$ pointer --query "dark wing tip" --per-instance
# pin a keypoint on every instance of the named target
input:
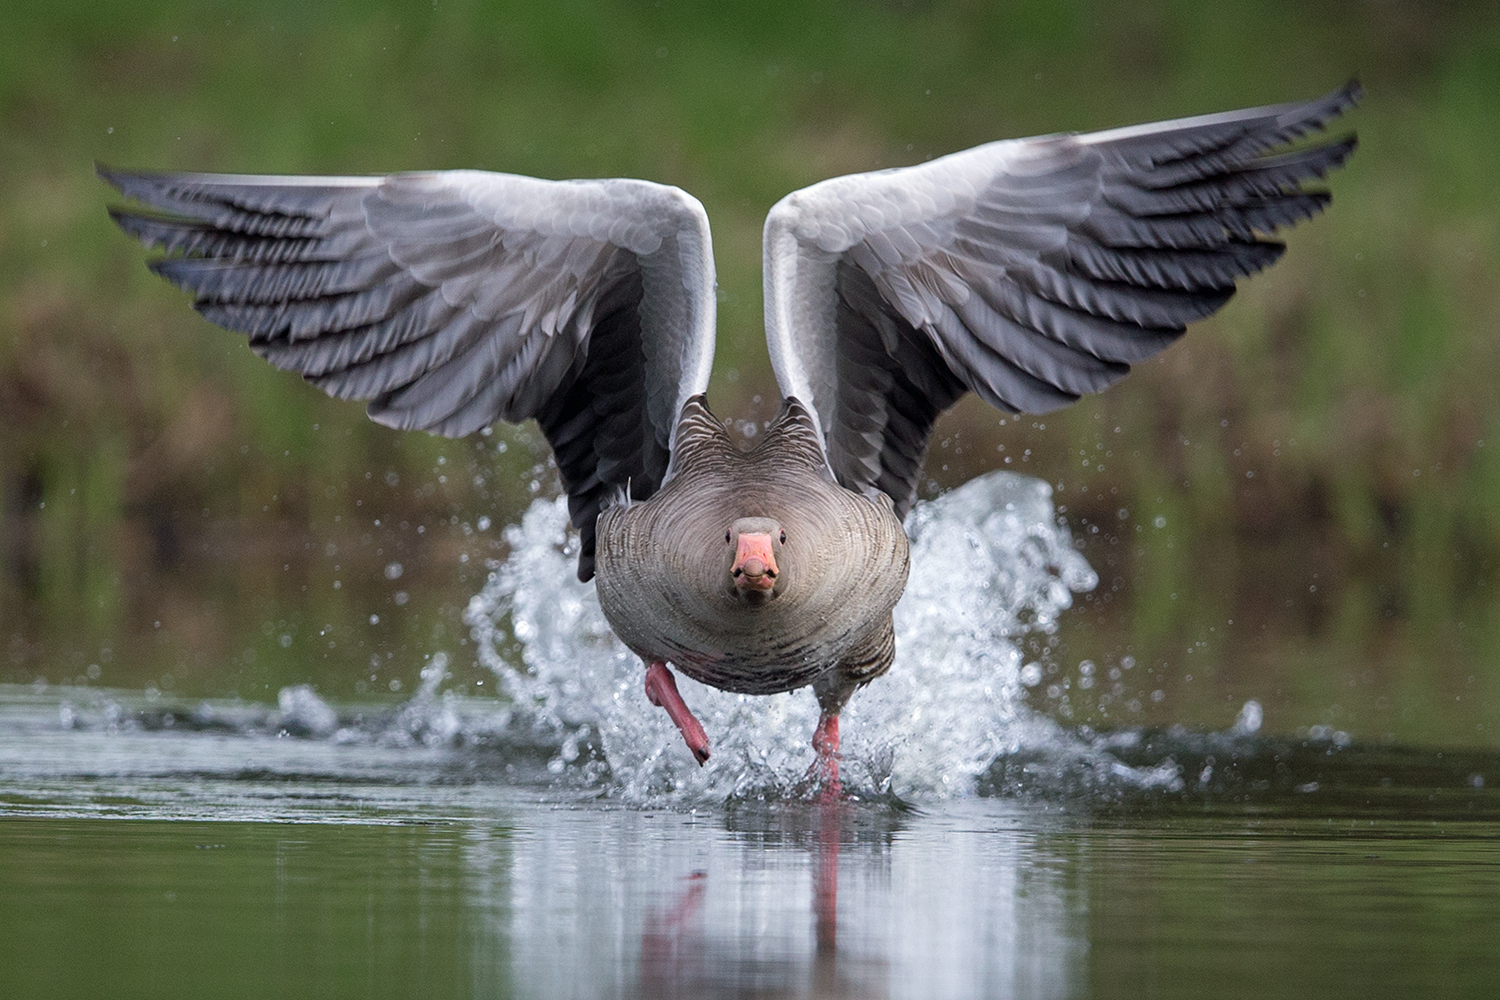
(123, 180)
(1341, 100)
(1319, 112)
(135, 184)
(1351, 92)
(124, 218)
(1339, 152)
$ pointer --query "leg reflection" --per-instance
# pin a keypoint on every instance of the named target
(826, 896)
(671, 944)
(687, 949)
(826, 889)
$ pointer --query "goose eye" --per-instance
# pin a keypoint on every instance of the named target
(726, 536)
(783, 538)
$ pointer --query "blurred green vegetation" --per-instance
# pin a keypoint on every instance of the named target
(1316, 465)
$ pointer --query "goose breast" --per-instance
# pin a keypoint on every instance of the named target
(663, 565)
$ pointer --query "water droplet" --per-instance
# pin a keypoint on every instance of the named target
(989, 564)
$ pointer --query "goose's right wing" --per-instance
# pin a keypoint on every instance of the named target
(454, 299)
(1030, 271)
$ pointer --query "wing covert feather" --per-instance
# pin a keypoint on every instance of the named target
(457, 298)
(1030, 271)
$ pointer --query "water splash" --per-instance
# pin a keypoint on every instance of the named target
(990, 563)
(304, 713)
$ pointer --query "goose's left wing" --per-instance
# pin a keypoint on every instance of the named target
(1030, 271)
(457, 298)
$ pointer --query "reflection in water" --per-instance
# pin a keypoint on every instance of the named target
(679, 957)
(827, 891)
(671, 941)
(830, 899)
(216, 857)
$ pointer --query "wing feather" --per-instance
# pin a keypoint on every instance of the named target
(1029, 271)
(454, 299)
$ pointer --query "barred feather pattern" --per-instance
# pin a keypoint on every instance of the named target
(1029, 271)
(663, 566)
(452, 300)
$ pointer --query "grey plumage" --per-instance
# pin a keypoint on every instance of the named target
(452, 300)
(1037, 270)
(663, 565)
(1029, 271)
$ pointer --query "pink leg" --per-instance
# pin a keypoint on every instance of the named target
(661, 688)
(826, 743)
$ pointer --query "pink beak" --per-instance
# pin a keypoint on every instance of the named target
(754, 563)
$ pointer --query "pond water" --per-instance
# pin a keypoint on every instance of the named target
(557, 841)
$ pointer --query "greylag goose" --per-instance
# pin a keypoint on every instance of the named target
(1029, 271)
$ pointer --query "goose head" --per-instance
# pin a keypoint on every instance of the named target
(754, 547)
